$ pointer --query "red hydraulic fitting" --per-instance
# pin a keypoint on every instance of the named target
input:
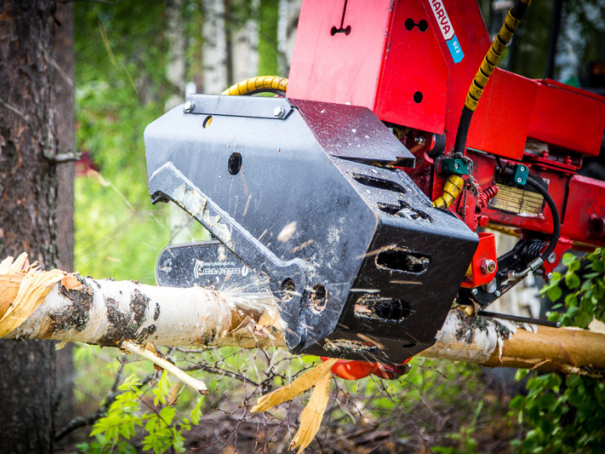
(389, 372)
(351, 370)
(354, 370)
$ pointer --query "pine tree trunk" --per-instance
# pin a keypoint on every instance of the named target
(64, 89)
(28, 193)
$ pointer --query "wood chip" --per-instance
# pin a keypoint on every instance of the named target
(71, 282)
(297, 387)
(312, 415)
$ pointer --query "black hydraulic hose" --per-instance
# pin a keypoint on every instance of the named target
(463, 127)
(556, 220)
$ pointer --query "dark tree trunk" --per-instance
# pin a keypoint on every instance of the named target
(28, 198)
(65, 121)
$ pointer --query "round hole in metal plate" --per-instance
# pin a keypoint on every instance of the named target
(319, 298)
(288, 287)
(235, 163)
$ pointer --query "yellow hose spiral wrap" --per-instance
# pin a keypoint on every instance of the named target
(255, 84)
(451, 190)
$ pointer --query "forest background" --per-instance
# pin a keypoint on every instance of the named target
(135, 60)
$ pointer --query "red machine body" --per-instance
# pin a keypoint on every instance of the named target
(412, 64)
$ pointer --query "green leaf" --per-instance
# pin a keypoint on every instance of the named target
(571, 300)
(568, 259)
(572, 280)
(583, 320)
(574, 266)
(167, 414)
(521, 374)
(554, 293)
(597, 265)
(517, 403)
(196, 413)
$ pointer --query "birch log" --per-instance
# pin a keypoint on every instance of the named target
(106, 313)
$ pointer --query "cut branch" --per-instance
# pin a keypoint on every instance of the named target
(107, 313)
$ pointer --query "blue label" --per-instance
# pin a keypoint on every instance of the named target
(455, 49)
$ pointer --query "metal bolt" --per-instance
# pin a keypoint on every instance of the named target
(498, 293)
(522, 168)
(549, 276)
(419, 140)
(488, 266)
(519, 180)
(279, 112)
(456, 166)
(552, 257)
(475, 291)
(189, 105)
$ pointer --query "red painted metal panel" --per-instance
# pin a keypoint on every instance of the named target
(568, 119)
(500, 123)
(413, 88)
(586, 201)
(339, 68)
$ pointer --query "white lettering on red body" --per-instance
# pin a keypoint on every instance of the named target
(447, 30)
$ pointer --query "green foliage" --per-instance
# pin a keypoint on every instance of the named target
(465, 437)
(131, 415)
(584, 283)
(121, 87)
(267, 43)
(567, 414)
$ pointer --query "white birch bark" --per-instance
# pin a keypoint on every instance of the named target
(107, 313)
(245, 50)
(175, 69)
(215, 47)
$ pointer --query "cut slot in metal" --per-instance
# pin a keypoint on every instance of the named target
(403, 210)
(385, 309)
(347, 345)
(378, 183)
(402, 261)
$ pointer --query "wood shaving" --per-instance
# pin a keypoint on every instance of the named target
(301, 384)
(312, 415)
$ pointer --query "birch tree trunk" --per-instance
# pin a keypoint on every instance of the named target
(215, 47)
(105, 312)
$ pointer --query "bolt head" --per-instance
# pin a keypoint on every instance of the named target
(498, 293)
(552, 257)
(519, 180)
(189, 105)
(488, 266)
(475, 291)
(522, 168)
(279, 112)
(549, 276)
(456, 166)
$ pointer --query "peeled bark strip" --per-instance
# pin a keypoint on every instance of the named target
(106, 312)
(149, 352)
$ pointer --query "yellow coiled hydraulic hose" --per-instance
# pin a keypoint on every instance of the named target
(451, 189)
(258, 84)
(511, 24)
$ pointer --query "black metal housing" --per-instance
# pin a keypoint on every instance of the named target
(304, 193)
